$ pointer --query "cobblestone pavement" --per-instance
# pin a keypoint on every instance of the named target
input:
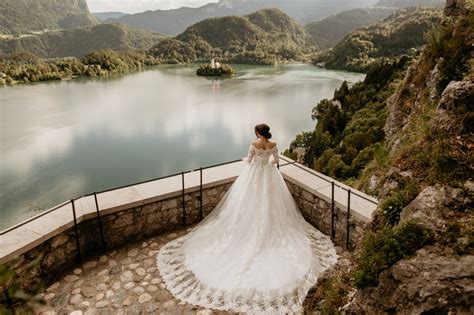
(124, 281)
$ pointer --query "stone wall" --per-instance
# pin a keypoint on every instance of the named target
(317, 211)
(119, 228)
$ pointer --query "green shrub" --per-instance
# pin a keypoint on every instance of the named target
(290, 154)
(364, 157)
(13, 298)
(459, 236)
(392, 206)
(382, 249)
(329, 295)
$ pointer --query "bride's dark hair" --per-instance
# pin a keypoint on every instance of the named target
(264, 130)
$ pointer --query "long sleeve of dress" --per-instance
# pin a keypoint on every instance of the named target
(250, 155)
(275, 155)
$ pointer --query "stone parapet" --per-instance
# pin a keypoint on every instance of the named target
(140, 211)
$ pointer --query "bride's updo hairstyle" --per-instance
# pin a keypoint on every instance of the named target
(264, 130)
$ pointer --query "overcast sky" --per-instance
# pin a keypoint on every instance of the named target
(133, 6)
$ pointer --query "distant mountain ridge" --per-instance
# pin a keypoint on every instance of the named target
(329, 31)
(26, 16)
(410, 3)
(81, 41)
(173, 22)
(265, 37)
(108, 15)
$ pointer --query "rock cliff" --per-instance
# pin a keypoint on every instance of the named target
(417, 254)
(429, 139)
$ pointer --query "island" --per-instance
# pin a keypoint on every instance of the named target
(215, 69)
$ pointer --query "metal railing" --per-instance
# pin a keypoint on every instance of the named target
(333, 214)
(183, 203)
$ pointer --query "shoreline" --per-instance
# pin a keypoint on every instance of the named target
(103, 73)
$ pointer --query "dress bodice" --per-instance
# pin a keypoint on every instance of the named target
(262, 156)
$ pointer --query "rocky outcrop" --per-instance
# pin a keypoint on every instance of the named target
(404, 101)
(335, 278)
(456, 7)
(433, 80)
(436, 205)
(456, 93)
(427, 283)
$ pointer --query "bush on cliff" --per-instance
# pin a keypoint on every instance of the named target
(383, 248)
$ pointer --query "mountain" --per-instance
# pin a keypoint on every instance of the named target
(26, 16)
(267, 36)
(173, 22)
(401, 33)
(108, 15)
(410, 3)
(332, 29)
(80, 41)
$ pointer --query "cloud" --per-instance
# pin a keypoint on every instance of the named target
(134, 6)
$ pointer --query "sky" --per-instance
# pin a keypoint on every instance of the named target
(134, 6)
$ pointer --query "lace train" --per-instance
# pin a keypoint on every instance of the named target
(185, 286)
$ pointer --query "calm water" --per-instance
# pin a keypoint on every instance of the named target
(64, 139)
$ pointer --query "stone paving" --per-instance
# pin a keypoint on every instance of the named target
(123, 281)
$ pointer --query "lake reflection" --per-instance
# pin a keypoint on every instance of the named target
(64, 139)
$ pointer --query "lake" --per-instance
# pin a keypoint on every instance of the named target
(60, 140)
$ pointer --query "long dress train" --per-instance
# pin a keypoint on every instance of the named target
(253, 253)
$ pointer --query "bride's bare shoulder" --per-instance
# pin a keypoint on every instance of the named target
(260, 144)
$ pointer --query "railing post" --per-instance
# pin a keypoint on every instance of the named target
(200, 194)
(183, 199)
(76, 232)
(333, 231)
(348, 217)
(104, 247)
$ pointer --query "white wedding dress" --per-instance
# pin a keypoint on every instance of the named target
(254, 253)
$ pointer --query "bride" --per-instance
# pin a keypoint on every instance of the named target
(254, 253)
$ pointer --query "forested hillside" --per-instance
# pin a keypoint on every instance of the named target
(265, 37)
(402, 33)
(80, 41)
(24, 67)
(26, 16)
(329, 31)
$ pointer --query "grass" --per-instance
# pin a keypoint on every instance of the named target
(329, 296)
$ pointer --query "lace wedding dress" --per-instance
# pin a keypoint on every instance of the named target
(254, 253)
